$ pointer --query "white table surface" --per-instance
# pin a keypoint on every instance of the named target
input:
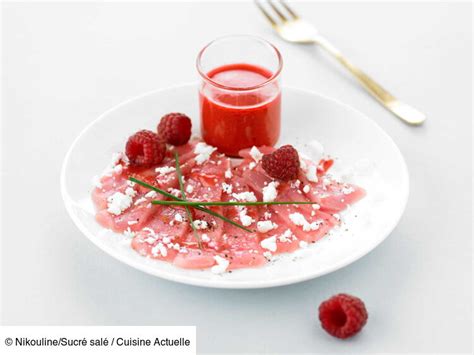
(64, 64)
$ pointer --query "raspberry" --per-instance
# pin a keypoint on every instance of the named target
(282, 164)
(145, 148)
(343, 315)
(175, 128)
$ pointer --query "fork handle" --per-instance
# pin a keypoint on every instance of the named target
(403, 111)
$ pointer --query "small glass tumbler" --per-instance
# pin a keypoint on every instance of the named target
(239, 94)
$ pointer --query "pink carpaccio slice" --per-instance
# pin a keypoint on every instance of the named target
(164, 232)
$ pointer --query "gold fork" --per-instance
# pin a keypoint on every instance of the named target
(294, 29)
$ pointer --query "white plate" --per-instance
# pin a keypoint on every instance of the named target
(346, 135)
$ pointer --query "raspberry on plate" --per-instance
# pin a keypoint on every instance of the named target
(145, 148)
(282, 164)
(343, 315)
(175, 128)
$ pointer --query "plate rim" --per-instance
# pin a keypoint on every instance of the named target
(216, 283)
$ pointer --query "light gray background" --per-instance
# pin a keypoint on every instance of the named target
(64, 64)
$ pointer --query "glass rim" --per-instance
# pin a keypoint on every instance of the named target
(232, 88)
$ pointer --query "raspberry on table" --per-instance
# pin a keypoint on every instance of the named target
(175, 128)
(282, 164)
(343, 315)
(145, 148)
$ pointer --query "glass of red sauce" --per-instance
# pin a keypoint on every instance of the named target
(239, 94)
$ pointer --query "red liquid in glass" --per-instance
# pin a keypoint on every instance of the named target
(233, 119)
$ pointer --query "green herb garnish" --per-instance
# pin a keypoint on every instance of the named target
(183, 195)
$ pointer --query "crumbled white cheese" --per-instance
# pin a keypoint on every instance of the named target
(151, 194)
(337, 216)
(316, 206)
(256, 154)
(128, 233)
(245, 196)
(159, 248)
(205, 238)
(267, 215)
(228, 174)
(166, 240)
(221, 265)
(189, 189)
(140, 200)
(347, 190)
(165, 170)
(306, 189)
(270, 192)
(299, 220)
(174, 192)
(119, 202)
(118, 169)
(131, 223)
(198, 224)
(178, 217)
(227, 188)
(244, 218)
(311, 174)
(265, 226)
(269, 244)
(303, 244)
(286, 236)
(203, 152)
(252, 165)
(129, 191)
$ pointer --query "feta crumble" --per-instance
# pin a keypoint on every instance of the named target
(347, 190)
(119, 202)
(165, 170)
(299, 220)
(128, 233)
(227, 188)
(245, 196)
(205, 238)
(178, 217)
(151, 194)
(286, 236)
(159, 249)
(265, 226)
(256, 154)
(189, 189)
(306, 189)
(221, 265)
(198, 224)
(228, 174)
(270, 192)
(245, 219)
(203, 152)
(269, 244)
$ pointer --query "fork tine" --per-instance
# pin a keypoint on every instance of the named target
(290, 11)
(265, 13)
(278, 12)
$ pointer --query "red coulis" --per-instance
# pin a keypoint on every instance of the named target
(237, 117)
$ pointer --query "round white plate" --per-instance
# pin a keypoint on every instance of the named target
(349, 136)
